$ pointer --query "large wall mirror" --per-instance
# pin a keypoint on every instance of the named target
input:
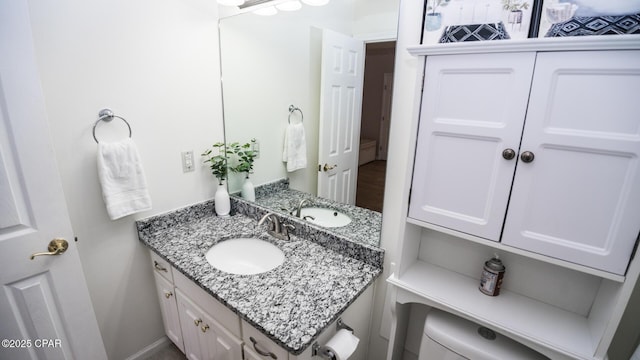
(272, 62)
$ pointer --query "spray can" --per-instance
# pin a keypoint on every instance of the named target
(492, 274)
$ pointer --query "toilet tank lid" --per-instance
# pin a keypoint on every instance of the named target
(462, 337)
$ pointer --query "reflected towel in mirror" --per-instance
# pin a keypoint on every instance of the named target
(295, 147)
(124, 187)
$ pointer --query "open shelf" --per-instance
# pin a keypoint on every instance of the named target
(513, 314)
(500, 246)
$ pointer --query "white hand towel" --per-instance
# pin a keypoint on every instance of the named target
(295, 148)
(124, 187)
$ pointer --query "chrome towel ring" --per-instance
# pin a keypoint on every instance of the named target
(291, 110)
(108, 115)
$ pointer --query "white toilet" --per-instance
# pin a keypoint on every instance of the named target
(448, 337)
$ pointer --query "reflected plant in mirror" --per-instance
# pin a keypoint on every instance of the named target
(245, 155)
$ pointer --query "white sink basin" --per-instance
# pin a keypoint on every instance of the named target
(324, 217)
(245, 256)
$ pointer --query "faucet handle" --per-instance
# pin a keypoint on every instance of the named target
(286, 228)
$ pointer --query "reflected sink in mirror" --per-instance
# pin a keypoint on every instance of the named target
(245, 256)
(324, 217)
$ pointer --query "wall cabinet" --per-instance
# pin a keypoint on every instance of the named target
(537, 150)
(529, 149)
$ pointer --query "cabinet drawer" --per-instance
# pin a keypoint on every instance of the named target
(261, 344)
(161, 267)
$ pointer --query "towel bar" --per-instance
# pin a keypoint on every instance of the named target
(291, 110)
(108, 115)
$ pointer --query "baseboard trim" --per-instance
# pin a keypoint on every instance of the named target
(150, 349)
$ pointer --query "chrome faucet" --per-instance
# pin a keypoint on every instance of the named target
(277, 230)
(300, 205)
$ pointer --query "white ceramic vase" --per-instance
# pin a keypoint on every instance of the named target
(248, 191)
(222, 202)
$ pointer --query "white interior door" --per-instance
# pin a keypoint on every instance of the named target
(341, 84)
(45, 310)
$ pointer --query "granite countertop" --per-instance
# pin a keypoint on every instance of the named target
(291, 304)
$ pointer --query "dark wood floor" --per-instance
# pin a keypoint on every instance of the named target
(370, 191)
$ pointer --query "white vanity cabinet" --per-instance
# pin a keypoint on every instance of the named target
(213, 334)
(538, 150)
(203, 328)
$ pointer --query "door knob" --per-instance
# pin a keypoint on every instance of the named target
(508, 154)
(56, 247)
(527, 156)
(328, 167)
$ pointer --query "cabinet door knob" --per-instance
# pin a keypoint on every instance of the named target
(204, 328)
(527, 156)
(168, 294)
(197, 321)
(508, 154)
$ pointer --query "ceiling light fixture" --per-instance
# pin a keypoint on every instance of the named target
(266, 11)
(316, 2)
(231, 2)
(290, 5)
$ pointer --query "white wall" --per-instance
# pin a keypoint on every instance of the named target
(156, 63)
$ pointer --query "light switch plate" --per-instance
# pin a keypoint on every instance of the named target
(187, 161)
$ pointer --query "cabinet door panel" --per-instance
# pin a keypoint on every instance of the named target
(190, 321)
(579, 199)
(169, 309)
(221, 344)
(205, 337)
(469, 115)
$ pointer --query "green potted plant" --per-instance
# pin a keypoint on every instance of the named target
(245, 155)
(218, 159)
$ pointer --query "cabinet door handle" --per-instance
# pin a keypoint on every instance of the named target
(527, 156)
(159, 267)
(168, 294)
(204, 328)
(197, 321)
(508, 154)
(260, 351)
